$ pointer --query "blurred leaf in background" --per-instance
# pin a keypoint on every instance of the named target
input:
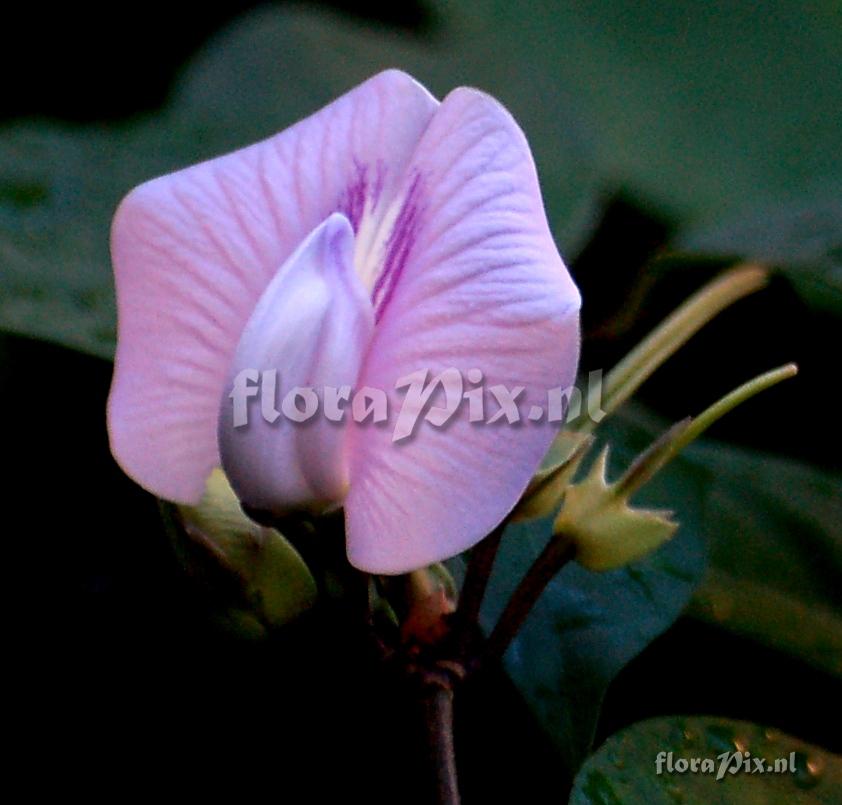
(703, 113)
(803, 240)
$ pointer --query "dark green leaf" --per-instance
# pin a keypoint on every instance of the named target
(587, 626)
(623, 771)
(777, 549)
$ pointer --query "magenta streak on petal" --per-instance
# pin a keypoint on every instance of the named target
(398, 247)
(352, 203)
(379, 182)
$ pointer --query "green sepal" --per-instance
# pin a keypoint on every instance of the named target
(272, 584)
(547, 488)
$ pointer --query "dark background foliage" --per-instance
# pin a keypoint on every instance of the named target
(670, 141)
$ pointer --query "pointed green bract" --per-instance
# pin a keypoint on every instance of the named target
(607, 531)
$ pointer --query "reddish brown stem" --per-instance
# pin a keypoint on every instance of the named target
(558, 551)
(438, 718)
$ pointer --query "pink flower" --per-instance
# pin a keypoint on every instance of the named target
(386, 234)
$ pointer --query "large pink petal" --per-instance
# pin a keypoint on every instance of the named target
(311, 327)
(472, 279)
(193, 252)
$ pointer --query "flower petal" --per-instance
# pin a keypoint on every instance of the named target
(193, 251)
(312, 326)
(471, 280)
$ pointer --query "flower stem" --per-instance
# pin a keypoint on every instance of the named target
(557, 553)
(480, 565)
(703, 421)
(438, 718)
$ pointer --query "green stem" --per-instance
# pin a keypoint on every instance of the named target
(628, 375)
(730, 401)
(671, 443)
